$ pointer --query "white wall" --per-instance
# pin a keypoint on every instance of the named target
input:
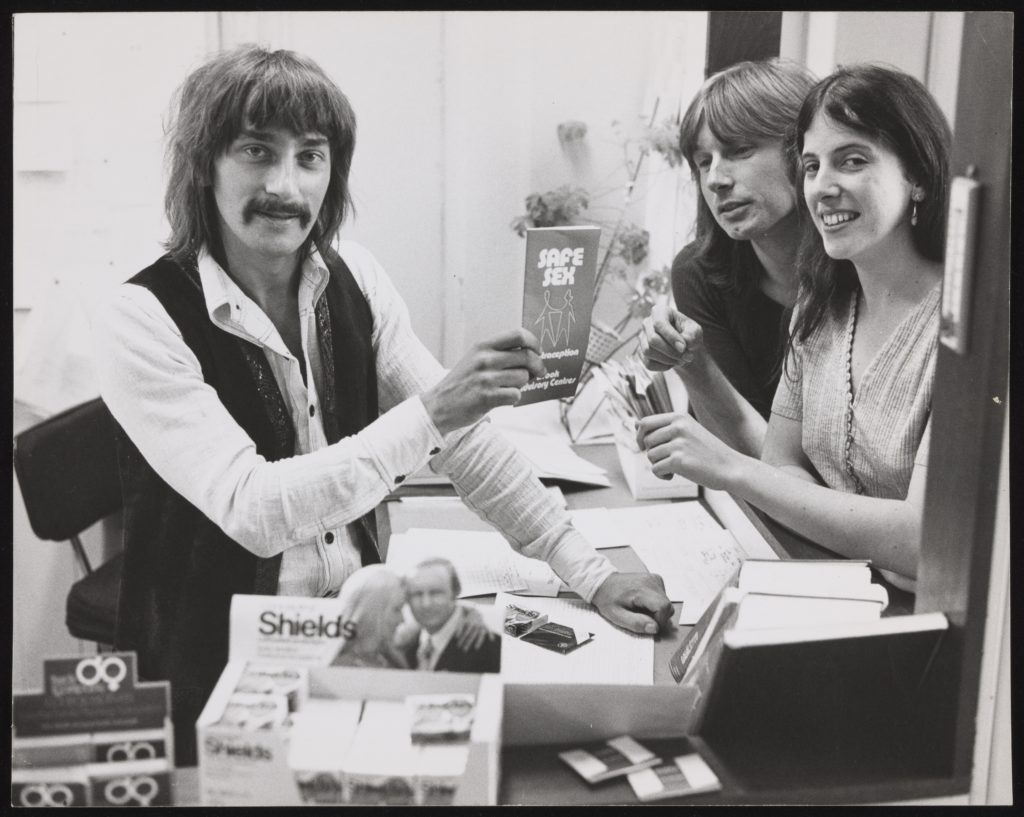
(924, 44)
(511, 78)
(457, 114)
(87, 212)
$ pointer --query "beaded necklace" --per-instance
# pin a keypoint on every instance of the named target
(851, 327)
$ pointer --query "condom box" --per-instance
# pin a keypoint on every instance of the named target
(95, 736)
(642, 482)
(278, 725)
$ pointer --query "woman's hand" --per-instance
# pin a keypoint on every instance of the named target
(472, 631)
(678, 444)
(669, 339)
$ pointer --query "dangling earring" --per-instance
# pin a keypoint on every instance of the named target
(914, 199)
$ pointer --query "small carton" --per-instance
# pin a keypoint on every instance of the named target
(137, 783)
(519, 621)
(440, 718)
(642, 482)
(265, 735)
(321, 734)
(50, 786)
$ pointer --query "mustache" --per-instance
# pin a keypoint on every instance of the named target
(276, 208)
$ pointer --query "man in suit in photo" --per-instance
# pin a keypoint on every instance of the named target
(432, 593)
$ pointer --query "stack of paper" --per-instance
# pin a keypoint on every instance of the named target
(613, 656)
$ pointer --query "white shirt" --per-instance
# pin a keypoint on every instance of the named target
(438, 641)
(153, 384)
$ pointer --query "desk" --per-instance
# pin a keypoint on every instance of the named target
(534, 775)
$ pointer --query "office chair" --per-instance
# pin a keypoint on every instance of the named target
(67, 469)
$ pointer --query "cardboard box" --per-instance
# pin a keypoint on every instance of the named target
(254, 761)
(642, 482)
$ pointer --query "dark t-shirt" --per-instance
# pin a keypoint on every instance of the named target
(745, 334)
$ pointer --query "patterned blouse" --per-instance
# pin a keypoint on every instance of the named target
(868, 443)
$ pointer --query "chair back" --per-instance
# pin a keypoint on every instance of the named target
(67, 469)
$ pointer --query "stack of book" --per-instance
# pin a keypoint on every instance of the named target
(796, 674)
(787, 595)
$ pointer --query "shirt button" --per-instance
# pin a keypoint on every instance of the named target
(312, 411)
(435, 450)
(399, 479)
(329, 537)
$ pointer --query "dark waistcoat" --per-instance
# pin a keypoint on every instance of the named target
(180, 568)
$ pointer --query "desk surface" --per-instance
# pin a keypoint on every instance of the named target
(534, 775)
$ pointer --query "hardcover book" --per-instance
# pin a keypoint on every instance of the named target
(782, 594)
(606, 759)
(842, 704)
(558, 295)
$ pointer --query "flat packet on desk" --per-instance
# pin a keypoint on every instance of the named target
(597, 762)
(684, 775)
(558, 637)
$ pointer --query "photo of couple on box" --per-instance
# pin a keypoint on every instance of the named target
(440, 634)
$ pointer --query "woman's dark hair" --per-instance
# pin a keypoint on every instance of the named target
(250, 87)
(746, 102)
(891, 107)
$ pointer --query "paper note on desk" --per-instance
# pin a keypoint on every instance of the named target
(483, 560)
(617, 527)
(680, 541)
(554, 459)
(612, 657)
(694, 567)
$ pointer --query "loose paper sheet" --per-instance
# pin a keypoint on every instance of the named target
(616, 527)
(694, 567)
(554, 459)
(680, 541)
(484, 561)
(612, 657)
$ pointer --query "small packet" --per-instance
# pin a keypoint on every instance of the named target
(269, 679)
(440, 718)
(683, 775)
(558, 637)
(520, 621)
(253, 711)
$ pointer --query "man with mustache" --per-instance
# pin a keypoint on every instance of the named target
(269, 390)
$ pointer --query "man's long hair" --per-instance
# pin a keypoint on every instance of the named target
(894, 108)
(749, 102)
(250, 87)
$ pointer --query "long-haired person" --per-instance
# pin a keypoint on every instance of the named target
(735, 284)
(269, 390)
(845, 455)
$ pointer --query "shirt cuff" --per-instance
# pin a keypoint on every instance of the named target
(578, 564)
(400, 441)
